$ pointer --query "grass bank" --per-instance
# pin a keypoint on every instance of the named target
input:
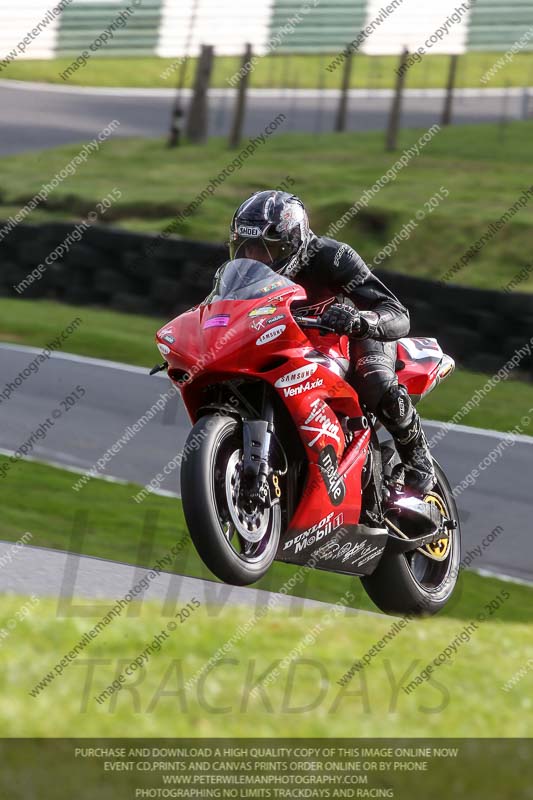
(480, 167)
(304, 698)
(279, 71)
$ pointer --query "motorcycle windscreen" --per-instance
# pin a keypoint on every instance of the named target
(245, 279)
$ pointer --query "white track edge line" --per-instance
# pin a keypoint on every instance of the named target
(100, 362)
(125, 92)
(486, 573)
(164, 493)
(79, 471)
(95, 362)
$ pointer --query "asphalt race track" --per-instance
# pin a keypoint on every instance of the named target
(53, 573)
(118, 395)
(35, 116)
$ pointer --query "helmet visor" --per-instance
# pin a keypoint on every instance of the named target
(272, 252)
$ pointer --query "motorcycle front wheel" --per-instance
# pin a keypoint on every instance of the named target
(237, 543)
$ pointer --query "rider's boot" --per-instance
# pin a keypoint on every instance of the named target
(416, 458)
(401, 419)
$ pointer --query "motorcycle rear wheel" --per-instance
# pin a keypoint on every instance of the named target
(236, 544)
(413, 583)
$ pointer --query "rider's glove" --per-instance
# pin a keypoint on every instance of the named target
(344, 319)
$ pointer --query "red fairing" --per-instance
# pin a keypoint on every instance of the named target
(420, 363)
(259, 339)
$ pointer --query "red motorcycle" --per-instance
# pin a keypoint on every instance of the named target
(283, 463)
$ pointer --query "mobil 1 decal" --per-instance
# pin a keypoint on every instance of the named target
(315, 533)
(335, 486)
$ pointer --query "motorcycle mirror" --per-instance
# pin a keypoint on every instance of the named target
(158, 368)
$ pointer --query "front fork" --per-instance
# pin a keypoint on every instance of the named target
(257, 438)
(258, 435)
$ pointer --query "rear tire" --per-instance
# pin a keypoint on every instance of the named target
(209, 476)
(413, 583)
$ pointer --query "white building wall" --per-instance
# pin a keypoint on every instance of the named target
(17, 19)
(227, 24)
(411, 23)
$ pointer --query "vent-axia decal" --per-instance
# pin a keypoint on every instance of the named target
(294, 391)
(270, 335)
(327, 461)
(320, 423)
(296, 376)
(218, 321)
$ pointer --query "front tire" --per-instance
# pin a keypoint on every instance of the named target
(236, 544)
(413, 583)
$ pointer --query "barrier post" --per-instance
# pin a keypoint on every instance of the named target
(342, 111)
(176, 117)
(396, 108)
(240, 106)
(448, 101)
(197, 121)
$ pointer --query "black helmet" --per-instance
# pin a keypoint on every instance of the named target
(271, 227)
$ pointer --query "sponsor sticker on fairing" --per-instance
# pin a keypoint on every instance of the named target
(271, 286)
(296, 376)
(316, 533)
(320, 422)
(218, 321)
(262, 311)
(262, 322)
(294, 391)
(364, 552)
(335, 486)
(167, 336)
(270, 335)
(328, 551)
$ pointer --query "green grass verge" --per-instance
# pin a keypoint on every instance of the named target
(103, 520)
(481, 166)
(130, 338)
(292, 71)
(454, 702)
(112, 335)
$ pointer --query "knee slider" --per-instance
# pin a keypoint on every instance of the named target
(396, 406)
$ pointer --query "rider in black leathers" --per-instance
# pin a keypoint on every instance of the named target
(273, 227)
